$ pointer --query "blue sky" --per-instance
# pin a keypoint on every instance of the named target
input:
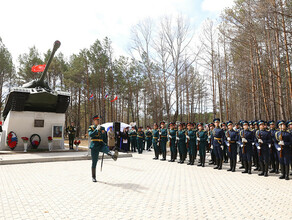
(77, 24)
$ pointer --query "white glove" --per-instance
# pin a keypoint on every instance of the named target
(260, 141)
(269, 146)
(279, 149)
(209, 136)
(244, 140)
(241, 145)
(159, 133)
(228, 139)
(259, 147)
(98, 127)
(198, 139)
(281, 142)
(188, 137)
(228, 144)
(170, 136)
(221, 147)
(211, 147)
(253, 143)
(177, 138)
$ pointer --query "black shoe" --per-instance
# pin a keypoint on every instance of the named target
(273, 171)
(287, 172)
(282, 172)
(93, 172)
(155, 158)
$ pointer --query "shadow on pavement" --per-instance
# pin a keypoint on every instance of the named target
(127, 186)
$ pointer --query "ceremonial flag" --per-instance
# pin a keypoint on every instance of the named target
(38, 68)
(91, 97)
(106, 95)
(114, 99)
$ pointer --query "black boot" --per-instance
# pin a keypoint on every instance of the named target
(234, 165)
(190, 160)
(249, 167)
(277, 167)
(242, 165)
(204, 158)
(171, 157)
(201, 160)
(245, 167)
(231, 165)
(282, 171)
(262, 169)
(180, 158)
(220, 164)
(273, 167)
(266, 169)
(156, 155)
(163, 156)
(287, 172)
(93, 171)
(217, 164)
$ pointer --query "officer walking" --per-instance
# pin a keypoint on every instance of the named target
(98, 144)
(71, 131)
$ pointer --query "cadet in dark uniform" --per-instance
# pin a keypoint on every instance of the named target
(284, 142)
(71, 131)
(98, 137)
(148, 134)
(172, 145)
(273, 150)
(225, 150)
(232, 138)
(202, 138)
(246, 140)
(210, 141)
(133, 139)
(263, 145)
(191, 143)
(218, 138)
(255, 151)
(181, 143)
(163, 139)
(155, 140)
(140, 140)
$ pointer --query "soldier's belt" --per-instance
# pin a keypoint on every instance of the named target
(99, 140)
(218, 139)
(232, 142)
(140, 136)
(155, 137)
(148, 136)
(163, 136)
(133, 135)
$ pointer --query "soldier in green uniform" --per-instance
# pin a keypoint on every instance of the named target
(155, 140)
(133, 139)
(181, 143)
(140, 140)
(71, 131)
(172, 145)
(98, 144)
(163, 139)
(148, 138)
(202, 138)
(191, 143)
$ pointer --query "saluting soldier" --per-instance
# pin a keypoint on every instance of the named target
(155, 141)
(283, 145)
(246, 140)
(263, 145)
(172, 145)
(232, 138)
(191, 143)
(218, 138)
(201, 138)
(163, 139)
(181, 143)
(148, 138)
(98, 144)
(71, 131)
(140, 139)
(133, 139)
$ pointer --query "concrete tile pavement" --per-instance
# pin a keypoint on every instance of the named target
(139, 188)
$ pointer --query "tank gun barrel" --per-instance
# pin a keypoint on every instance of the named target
(57, 44)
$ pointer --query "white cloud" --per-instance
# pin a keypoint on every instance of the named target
(216, 5)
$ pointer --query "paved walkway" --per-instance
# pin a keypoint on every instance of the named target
(139, 188)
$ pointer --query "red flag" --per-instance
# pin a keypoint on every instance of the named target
(38, 68)
(114, 99)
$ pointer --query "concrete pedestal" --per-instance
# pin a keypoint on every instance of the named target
(23, 125)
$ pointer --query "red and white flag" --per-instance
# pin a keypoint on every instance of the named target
(38, 68)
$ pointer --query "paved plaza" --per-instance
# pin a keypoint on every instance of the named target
(139, 188)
